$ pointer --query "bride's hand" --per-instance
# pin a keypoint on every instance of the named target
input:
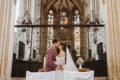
(60, 68)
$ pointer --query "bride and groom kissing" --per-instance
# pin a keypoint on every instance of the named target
(53, 61)
(61, 62)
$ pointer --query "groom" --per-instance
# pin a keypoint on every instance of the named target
(51, 57)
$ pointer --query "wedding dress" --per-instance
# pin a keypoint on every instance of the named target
(60, 74)
(67, 64)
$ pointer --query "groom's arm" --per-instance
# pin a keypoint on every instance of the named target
(50, 59)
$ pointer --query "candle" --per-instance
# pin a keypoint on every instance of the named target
(44, 62)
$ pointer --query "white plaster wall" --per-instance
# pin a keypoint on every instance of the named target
(33, 7)
(101, 33)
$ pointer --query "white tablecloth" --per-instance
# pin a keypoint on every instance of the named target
(40, 75)
(68, 75)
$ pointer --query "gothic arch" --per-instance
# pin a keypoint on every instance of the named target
(73, 11)
(74, 3)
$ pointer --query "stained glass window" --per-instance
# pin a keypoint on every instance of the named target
(50, 29)
(76, 17)
(77, 32)
(64, 19)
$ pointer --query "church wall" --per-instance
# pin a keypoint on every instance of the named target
(95, 37)
(25, 37)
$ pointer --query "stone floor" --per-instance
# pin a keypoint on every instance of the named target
(96, 78)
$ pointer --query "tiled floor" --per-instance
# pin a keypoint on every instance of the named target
(97, 78)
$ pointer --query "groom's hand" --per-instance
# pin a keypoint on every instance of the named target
(60, 68)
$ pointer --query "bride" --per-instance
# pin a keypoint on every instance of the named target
(65, 60)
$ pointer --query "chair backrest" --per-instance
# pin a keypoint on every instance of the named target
(68, 75)
(40, 75)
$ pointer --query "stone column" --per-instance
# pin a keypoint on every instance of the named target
(83, 35)
(43, 32)
(113, 38)
(6, 34)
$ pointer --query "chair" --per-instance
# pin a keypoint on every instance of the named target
(68, 75)
(40, 75)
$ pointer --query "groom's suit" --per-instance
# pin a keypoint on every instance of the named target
(50, 60)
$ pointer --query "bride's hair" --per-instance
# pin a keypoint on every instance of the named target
(64, 49)
(64, 46)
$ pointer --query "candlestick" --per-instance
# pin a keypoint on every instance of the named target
(44, 62)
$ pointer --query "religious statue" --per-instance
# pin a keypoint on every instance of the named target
(26, 19)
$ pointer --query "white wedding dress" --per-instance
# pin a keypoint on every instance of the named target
(68, 65)
(60, 74)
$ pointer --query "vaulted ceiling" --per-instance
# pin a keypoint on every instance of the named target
(68, 4)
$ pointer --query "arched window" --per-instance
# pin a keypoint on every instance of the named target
(77, 32)
(50, 29)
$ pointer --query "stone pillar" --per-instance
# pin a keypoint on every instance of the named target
(83, 42)
(43, 32)
(6, 36)
(113, 38)
(83, 38)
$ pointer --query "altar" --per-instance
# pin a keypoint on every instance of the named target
(68, 75)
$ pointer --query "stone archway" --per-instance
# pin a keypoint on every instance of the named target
(112, 38)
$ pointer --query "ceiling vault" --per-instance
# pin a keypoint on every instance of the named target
(68, 4)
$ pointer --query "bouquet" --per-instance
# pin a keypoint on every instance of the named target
(80, 61)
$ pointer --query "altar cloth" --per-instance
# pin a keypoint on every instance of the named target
(40, 75)
(68, 75)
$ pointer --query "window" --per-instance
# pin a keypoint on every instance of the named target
(50, 29)
(63, 18)
(77, 31)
